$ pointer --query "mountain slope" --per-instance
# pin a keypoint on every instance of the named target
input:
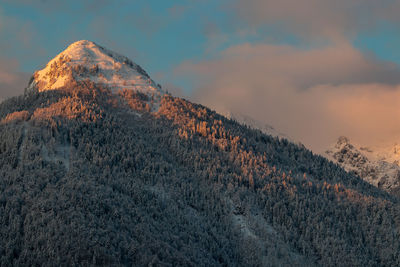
(92, 176)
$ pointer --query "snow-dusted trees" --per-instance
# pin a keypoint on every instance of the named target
(184, 186)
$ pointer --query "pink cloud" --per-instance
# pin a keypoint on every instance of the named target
(311, 95)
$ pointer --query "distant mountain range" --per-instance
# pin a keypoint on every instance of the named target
(99, 166)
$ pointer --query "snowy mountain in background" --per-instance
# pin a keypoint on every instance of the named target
(378, 165)
(85, 60)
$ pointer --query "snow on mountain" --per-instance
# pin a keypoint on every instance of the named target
(85, 60)
(378, 165)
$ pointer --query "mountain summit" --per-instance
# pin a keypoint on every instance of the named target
(85, 60)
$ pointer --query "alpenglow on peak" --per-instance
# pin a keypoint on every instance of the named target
(86, 60)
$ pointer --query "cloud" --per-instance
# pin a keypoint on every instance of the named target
(313, 95)
(317, 18)
(12, 81)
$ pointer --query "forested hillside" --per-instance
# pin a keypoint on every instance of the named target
(90, 177)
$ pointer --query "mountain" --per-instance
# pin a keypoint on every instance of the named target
(85, 60)
(92, 174)
(379, 165)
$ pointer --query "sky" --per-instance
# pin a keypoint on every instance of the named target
(313, 69)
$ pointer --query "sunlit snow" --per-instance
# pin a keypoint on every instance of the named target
(86, 60)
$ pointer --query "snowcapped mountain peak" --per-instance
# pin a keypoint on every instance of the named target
(378, 165)
(86, 60)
